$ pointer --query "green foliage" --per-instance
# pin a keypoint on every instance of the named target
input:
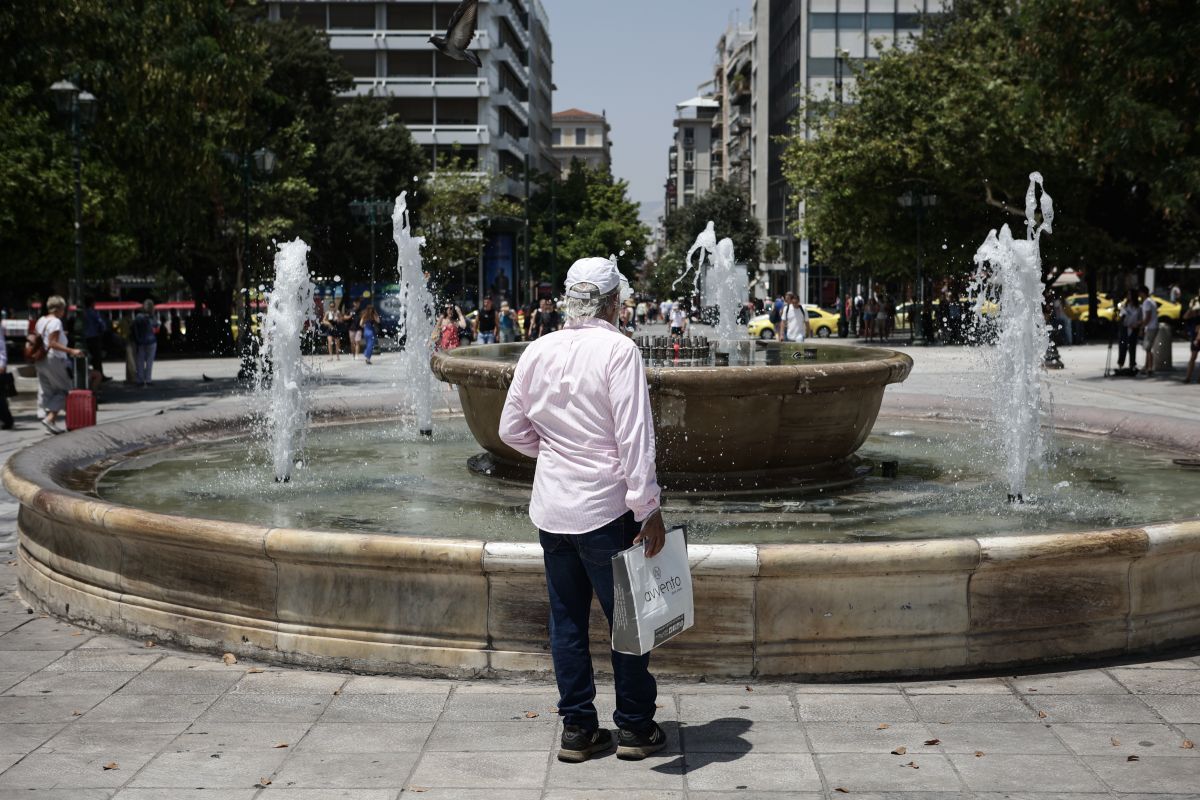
(585, 214)
(1100, 97)
(729, 210)
(455, 207)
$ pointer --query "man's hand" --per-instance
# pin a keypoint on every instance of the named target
(653, 535)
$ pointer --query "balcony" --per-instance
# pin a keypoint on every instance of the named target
(396, 40)
(503, 97)
(450, 134)
(419, 87)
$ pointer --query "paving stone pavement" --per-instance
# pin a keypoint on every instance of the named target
(88, 716)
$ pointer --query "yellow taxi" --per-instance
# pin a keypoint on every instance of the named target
(822, 323)
(1076, 307)
(1166, 310)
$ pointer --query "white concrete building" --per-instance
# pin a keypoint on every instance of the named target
(692, 170)
(496, 116)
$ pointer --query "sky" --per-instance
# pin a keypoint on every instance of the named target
(635, 59)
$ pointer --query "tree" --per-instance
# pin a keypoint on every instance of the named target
(729, 209)
(455, 208)
(584, 214)
(1097, 96)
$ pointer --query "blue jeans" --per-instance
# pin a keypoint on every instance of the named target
(576, 566)
(369, 336)
(487, 338)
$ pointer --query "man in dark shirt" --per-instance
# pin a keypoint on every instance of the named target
(485, 323)
(546, 321)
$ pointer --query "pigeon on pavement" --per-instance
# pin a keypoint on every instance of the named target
(460, 33)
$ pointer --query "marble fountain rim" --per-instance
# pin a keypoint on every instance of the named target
(460, 608)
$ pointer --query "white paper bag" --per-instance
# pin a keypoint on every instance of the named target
(652, 598)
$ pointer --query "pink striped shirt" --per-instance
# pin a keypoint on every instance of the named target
(580, 405)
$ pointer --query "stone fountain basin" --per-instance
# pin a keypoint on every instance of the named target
(418, 603)
(720, 427)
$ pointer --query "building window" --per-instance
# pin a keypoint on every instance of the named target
(880, 22)
(558, 137)
(444, 12)
(908, 22)
(689, 157)
(310, 15)
(822, 22)
(581, 137)
(360, 64)
(689, 136)
(410, 17)
(352, 16)
(457, 112)
(850, 22)
(689, 180)
(412, 110)
(450, 68)
(410, 63)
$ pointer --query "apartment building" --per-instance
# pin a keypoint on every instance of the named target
(584, 136)
(495, 117)
(692, 167)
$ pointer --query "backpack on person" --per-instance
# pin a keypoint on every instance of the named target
(35, 348)
(774, 315)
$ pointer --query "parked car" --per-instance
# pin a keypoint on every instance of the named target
(1167, 311)
(823, 323)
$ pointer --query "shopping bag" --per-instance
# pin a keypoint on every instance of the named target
(652, 598)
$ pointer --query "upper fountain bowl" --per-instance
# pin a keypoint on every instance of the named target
(781, 414)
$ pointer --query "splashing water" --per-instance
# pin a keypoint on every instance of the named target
(416, 322)
(282, 371)
(1013, 268)
(726, 285)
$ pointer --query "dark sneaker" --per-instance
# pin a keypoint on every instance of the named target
(632, 746)
(579, 745)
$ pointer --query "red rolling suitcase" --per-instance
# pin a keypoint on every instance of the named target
(81, 409)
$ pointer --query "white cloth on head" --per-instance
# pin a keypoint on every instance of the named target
(600, 272)
(580, 405)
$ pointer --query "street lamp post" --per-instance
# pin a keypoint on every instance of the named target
(373, 212)
(918, 202)
(79, 108)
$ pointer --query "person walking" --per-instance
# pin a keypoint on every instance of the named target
(354, 328)
(6, 381)
(51, 358)
(1129, 327)
(485, 323)
(145, 342)
(547, 320)
(332, 323)
(507, 324)
(446, 334)
(796, 327)
(95, 330)
(678, 319)
(579, 403)
(369, 322)
(1149, 328)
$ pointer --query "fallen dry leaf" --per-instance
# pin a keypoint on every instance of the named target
(1134, 758)
(748, 689)
(336, 692)
(254, 671)
(263, 783)
(979, 754)
(1033, 690)
(530, 714)
(1188, 744)
(76, 713)
(149, 644)
(77, 633)
(110, 765)
(281, 745)
(1115, 741)
(912, 764)
(899, 751)
(417, 789)
(659, 705)
(229, 658)
(1041, 715)
(883, 727)
(932, 742)
(842, 789)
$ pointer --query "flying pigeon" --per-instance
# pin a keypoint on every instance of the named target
(460, 33)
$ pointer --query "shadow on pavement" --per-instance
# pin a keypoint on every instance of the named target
(716, 742)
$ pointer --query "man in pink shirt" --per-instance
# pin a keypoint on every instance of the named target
(580, 405)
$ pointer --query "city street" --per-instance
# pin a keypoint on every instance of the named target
(85, 715)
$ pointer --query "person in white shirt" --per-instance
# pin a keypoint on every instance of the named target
(54, 370)
(679, 320)
(794, 319)
(1131, 326)
(1149, 327)
(579, 403)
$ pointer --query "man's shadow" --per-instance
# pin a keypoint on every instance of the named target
(717, 742)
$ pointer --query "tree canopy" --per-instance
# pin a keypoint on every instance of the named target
(1101, 97)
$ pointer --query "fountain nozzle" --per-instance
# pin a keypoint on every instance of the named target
(427, 432)
(1016, 498)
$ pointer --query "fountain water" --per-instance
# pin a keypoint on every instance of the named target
(726, 285)
(1014, 267)
(416, 321)
(282, 371)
